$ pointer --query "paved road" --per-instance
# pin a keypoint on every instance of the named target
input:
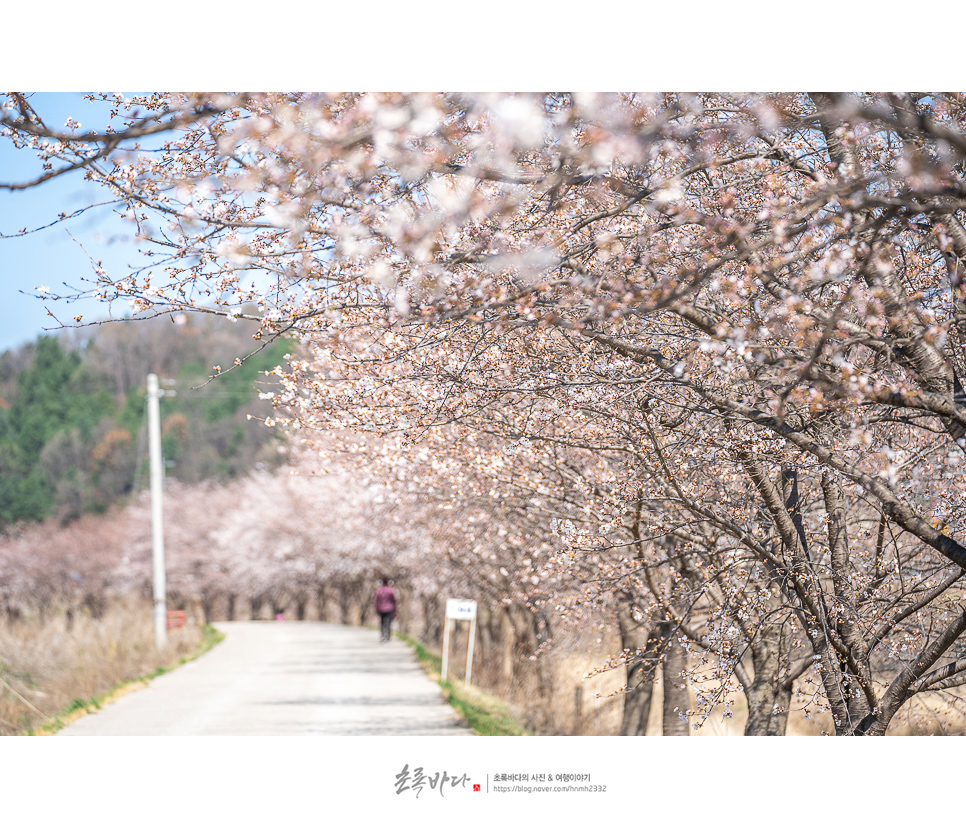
(281, 678)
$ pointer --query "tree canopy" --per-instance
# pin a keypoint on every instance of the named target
(709, 345)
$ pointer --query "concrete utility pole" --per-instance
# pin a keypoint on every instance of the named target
(157, 524)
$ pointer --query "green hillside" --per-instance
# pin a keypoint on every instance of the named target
(72, 412)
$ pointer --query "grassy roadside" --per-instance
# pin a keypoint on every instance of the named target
(486, 715)
(211, 637)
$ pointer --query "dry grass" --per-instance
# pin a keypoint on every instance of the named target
(579, 703)
(582, 703)
(550, 693)
(48, 666)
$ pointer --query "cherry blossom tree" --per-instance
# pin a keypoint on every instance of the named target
(779, 275)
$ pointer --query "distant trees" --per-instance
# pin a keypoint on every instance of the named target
(71, 437)
(52, 398)
(272, 541)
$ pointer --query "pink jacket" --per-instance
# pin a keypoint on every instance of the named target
(385, 600)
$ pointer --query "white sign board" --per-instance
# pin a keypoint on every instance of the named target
(461, 609)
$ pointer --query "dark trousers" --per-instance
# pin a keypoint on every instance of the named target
(385, 624)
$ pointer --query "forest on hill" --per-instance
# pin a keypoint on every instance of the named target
(72, 412)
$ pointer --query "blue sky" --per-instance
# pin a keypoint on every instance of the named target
(58, 255)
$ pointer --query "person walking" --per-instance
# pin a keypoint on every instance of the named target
(386, 609)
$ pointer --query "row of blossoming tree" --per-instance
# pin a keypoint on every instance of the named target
(299, 546)
(255, 547)
(695, 359)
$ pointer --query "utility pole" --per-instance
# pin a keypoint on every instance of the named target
(157, 525)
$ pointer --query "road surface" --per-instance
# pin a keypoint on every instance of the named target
(285, 678)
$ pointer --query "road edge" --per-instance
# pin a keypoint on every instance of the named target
(211, 637)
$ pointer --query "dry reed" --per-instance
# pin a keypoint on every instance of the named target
(49, 663)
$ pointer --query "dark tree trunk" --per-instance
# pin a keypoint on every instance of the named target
(508, 640)
(96, 604)
(767, 710)
(636, 639)
(675, 720)
(345, 604)
(362, 596)
(542, 635)
(404, 606)
(432, 621)
(769, 695)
